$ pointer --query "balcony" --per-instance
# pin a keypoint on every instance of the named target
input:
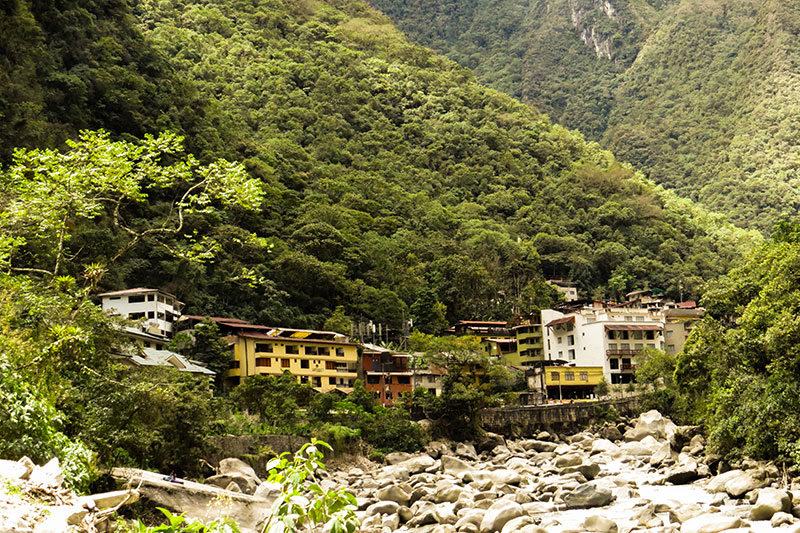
(628, 353)
(625, 367)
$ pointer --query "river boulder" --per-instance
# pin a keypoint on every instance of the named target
(769, 502)
(587, 495)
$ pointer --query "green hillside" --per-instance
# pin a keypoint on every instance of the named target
(394, 181)
(699, 95)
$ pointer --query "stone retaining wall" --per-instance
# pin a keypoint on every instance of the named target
(527, 421)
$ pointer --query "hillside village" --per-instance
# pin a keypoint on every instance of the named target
(564, 352)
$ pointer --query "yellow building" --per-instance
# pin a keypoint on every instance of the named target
(529, 344)
(556, 382)
(323, 359)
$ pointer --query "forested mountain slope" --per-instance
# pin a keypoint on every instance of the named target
(395, 181)
(700, 95)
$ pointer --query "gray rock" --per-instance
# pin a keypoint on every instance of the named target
(781, 519)
(683, 474)
(436, 449)
(444, 528)
(466, 449)
(449, 493)
(499, 514)
(49, 475)
(568, 460)
(404, 513)
(471, 516)
(516, 524)
(59, 519)
(599, 524)
(396, 457)
(247, 484)
(711, 523)
(587, 495)
(392, 522)
(454, 465)
(769, 502)
(538, 445)
(233, 487)
(394, 493)
(651, 424)
(662, 454)
(589, 470)
(507, 477)
(445, 514)
(234, 466)
(684, 513)
(735, 483)
(15, 469)
(611, 433)
(382, 508)
(489, 441)
(417, 464)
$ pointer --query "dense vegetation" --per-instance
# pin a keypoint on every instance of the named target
(363, 176)
(394, 184)
(739, 371)
(700, 95)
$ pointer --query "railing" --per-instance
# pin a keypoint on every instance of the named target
(622, 352)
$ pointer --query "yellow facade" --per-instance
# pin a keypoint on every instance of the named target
(573, 375)
(530, 344)
(326, 365)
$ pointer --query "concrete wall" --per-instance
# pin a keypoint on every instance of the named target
(527, 421)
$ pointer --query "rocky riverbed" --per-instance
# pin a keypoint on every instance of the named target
(645, 476)
(639, 475)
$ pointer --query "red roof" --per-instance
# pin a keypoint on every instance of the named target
(481, 323)
(254, 335)
(564, 320)
(687, 305)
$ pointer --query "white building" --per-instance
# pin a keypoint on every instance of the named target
(160, 310)
(607, 337)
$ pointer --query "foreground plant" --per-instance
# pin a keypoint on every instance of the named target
(302, 507)
(180, 524)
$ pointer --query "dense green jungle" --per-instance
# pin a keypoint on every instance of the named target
(698, 95)
(290, 162)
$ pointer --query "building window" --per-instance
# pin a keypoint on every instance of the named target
(264, 347)
(571, 355)
(322, 350)
(340, 352)
(404, 380)
(584, 376)
(304, 363)
(372, 380)
(671, 348)
(303, 379)
(612, 346)
(554, 376)
(558, 340)
(569, 376)
(613, 364)
(317, 381)
(570, 340)
(263, 361)
(668, 333)
(151, 297)
(234, 364)
(292, 349)
(650, 335)
(284, 363)
(330, 365)
(135, 299)
(331, 381)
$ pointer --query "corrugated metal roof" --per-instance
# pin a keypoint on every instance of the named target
(563, 320)
(254, 335)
